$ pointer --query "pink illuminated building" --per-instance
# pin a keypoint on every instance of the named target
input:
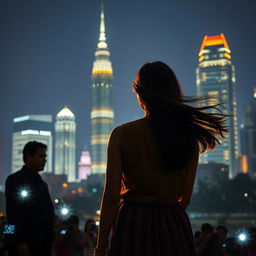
(84, 166)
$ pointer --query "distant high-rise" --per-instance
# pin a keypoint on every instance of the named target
(29, 128)
(65, 144)
(102, 114)
(248, 135)
(215, 76)
(84, 165)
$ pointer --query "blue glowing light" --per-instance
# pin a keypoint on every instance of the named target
(64, 211)
(24, 193)
(242, 237)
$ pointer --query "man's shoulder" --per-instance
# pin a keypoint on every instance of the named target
(14, 177)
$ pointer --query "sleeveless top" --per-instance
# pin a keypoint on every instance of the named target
(144, 178)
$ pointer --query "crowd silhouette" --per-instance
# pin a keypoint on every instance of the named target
(72, 240)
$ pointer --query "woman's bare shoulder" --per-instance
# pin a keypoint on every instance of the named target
(119, 131)
(134, 123)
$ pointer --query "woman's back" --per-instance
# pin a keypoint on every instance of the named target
(153, 161)
(145, 178)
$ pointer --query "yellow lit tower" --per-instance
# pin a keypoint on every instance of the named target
(102, 114)
(215, 76)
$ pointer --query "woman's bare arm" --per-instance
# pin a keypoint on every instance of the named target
(111, 195)
(186, 196)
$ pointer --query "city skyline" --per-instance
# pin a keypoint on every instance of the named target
(53, 55)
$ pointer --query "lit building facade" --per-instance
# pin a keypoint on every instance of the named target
(29, 128)
(211, 173)
(215, 77)
(84, 165)
(102, 114)
(65, 144)
(248, 136)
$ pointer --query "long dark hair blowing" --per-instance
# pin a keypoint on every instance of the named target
(180, 126)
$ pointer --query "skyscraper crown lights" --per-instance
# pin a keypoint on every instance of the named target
(65, 112)
(215, 40)
(214, 51)
(102, 65)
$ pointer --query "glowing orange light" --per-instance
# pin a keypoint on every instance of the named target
(214, 40)
(244, 164)
(101, 136)
(99, 142)
(1, 214)
(80, 190)
(102, 72)
(64, 185)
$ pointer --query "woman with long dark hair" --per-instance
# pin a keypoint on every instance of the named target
(151, 167)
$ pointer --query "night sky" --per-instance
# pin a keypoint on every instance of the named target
(47, 50)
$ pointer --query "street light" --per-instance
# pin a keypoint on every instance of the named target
(23, 193)
(64, 211)
(242, 237)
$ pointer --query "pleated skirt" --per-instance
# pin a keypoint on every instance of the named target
(149, 229)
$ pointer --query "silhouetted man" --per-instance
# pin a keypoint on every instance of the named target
(29, 206)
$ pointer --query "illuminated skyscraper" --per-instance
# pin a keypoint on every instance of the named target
(84, 165)
(215, 76)
(248, 135)
(102, 114)
(29, 128)
(65, 144)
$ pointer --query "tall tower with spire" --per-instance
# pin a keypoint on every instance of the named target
(102, 114)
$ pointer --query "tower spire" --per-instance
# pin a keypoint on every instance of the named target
(102, 38)
(102, 113)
